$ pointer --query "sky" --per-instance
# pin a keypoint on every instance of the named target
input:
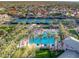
(41, 0)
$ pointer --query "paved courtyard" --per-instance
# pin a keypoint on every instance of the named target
(69, 54)
(72, 46)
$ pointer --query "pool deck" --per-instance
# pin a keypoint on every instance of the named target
(72, 46)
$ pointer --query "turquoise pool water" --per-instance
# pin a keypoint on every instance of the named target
(32, 20)
(43, 40)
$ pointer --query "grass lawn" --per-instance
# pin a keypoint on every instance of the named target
(46, 53)
(72, 31)
(7, 28)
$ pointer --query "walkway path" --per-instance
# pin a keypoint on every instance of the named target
(72, 46)
(69, 54)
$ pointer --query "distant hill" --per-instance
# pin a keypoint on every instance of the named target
(25, 3)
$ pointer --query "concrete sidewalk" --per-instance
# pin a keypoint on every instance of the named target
(72, 46)
(69, 54)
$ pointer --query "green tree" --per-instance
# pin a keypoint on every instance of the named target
(41, 35)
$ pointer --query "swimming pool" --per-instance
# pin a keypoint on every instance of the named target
(32, 20)
(45, 40)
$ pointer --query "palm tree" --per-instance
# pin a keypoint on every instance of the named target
(56, 42)
(32, 36)
(49, 34)
(56, 39)
(63, 32)
(29, 33)
(41, 38)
